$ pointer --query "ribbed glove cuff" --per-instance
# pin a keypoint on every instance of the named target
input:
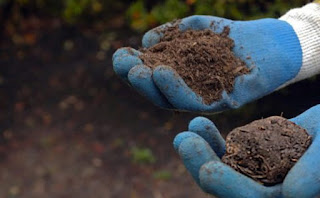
(306, 23)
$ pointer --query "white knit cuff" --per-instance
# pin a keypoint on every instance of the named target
(306, 23)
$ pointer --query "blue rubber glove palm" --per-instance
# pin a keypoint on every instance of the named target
(272, 45)
(202, 146)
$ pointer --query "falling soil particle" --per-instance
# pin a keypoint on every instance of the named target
(202, 58)
(266, 149)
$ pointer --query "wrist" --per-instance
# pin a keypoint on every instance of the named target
(306, 23)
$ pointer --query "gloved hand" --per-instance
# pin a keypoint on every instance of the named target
(272, 45)
(281, 52)
(202, 146)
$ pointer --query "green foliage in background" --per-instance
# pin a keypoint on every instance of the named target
(71, 11)
(2, 2)
(142, 156)
(145, 14)
(141, 18)
(162, 175)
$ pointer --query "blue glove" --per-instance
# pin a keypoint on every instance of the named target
(202, 146)
(272, 45)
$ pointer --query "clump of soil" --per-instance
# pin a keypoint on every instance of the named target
(266, 149)
(202, 58)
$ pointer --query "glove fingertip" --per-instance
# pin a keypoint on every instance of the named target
(154, 36)
(208, 131)
(140, 77)
(200, 123)
(180, 137)
(195, 22)
(139, 72)
(125, 51)
(123, 64)
(151, 38)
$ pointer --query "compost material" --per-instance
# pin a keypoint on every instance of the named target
(202, 58)
(266, 149)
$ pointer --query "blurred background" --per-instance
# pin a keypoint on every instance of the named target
(70, 128)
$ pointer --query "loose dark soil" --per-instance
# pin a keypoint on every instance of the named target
(266, 149)
(203, 59)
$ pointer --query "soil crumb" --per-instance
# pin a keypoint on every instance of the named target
(202, 58)
(266, 149)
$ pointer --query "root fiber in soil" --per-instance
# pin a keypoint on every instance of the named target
(203, 59)
(266, 149)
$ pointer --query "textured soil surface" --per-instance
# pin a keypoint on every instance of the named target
(203, 59)
(266, 149)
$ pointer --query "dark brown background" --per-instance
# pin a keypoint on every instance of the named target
(69, 127)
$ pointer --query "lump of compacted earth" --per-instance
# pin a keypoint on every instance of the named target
(202, 58)
(266, 149)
